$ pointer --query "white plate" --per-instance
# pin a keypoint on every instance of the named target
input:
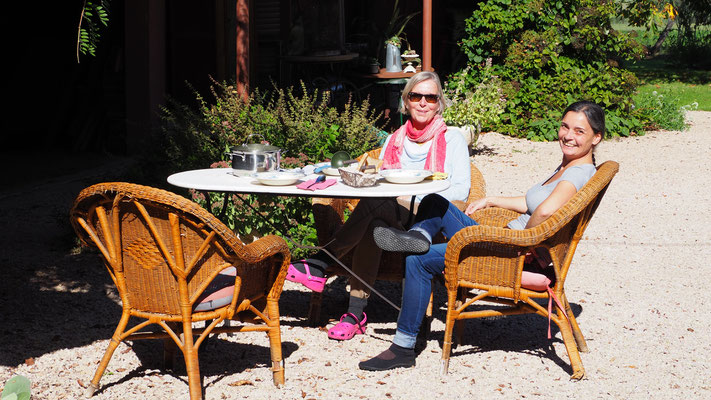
(278, 178)
(330, 171)
(404, 175)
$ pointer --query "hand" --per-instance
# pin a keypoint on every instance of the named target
(476, 205)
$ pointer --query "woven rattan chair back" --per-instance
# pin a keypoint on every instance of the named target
(329, 217)
(489, 257)
(162, 251)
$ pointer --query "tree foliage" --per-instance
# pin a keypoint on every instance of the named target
(692, 40)
(549, 54)
(654, 13)
(94, 15)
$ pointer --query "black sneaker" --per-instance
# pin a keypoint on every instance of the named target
(394, 357)
(391, 239)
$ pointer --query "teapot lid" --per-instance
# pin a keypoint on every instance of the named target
(250, 147)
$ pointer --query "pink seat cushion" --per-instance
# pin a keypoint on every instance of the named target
(541, 283)
(219, 292)
(534, 281)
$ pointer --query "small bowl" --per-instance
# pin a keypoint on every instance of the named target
(330, 171)
(405, 175)
(278, 178)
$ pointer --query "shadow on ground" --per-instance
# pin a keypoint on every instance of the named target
(54, 297)
(51, 295)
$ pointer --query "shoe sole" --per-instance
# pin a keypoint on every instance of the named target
(389, 240)
(400, 365)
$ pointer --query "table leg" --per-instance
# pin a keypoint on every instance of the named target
(412, 212)
(373, 290)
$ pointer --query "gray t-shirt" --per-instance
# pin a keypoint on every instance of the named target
(577, 175)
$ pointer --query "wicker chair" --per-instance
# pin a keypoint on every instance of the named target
(328, 217)
(162, 252)
(490, 258)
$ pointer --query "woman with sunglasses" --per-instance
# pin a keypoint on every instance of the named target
(581, 129)
(423, 142)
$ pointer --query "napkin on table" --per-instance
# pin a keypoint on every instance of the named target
(308, 185)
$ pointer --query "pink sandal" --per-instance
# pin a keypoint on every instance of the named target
(346, 330)
(306, 279)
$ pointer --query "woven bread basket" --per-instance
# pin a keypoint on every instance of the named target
(355, 178)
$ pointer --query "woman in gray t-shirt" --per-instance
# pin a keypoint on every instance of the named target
(581, 129)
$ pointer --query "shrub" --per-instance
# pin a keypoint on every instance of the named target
(300, 123)
(691, 47)
(662, 111)
(549, 54)
(477, 103)
(692, 43)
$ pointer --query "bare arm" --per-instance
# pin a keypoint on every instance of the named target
(517, 204)
(563, 192)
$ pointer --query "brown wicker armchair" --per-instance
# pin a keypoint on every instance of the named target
(328, 217)
(162, 252)
(490, 258)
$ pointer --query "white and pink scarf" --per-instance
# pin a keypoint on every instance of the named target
(433, 131)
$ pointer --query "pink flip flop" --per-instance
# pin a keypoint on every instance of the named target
(306, 279)
(346, 330)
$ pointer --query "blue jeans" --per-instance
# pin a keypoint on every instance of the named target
(435, 214)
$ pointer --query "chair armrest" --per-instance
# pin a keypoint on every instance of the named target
(498, 233)
(264, 248)
(494, 216)
(477, 189)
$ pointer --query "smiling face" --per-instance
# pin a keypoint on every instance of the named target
(576, 138)
(422, 112)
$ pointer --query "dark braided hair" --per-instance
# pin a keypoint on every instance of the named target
(594, 114)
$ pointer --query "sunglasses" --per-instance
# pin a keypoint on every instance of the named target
(416, 97)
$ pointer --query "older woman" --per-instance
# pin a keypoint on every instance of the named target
(423, 142)
(581, 129)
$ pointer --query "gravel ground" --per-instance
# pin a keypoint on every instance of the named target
(636, 286)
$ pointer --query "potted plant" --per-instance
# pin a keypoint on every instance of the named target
(392, 54)
(372, 65)
(393, 34)
(394, 41)
(464, 115)
(469, 108)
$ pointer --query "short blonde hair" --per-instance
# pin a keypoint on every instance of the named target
(414, 80)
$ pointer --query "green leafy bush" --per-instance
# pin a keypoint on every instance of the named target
(253, 216)
(662, 110)
(299, 122)
(473, 103)
(549, 54)
(691, 47)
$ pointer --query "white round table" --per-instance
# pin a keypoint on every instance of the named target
(222, 180)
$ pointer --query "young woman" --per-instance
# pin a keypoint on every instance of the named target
(581, 129)
(423, 142)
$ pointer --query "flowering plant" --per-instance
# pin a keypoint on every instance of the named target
(478, 104)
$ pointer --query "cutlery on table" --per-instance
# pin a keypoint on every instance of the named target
(318, 180)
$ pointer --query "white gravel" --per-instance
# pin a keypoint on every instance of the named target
(638, 285)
